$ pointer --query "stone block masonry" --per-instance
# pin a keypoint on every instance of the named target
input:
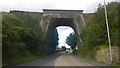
(103, 55)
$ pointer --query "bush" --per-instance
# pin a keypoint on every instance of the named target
(95, 34)
(19, 39)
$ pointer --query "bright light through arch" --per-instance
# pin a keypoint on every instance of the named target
(63, 32)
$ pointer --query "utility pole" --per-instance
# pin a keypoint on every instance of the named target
(108, 32)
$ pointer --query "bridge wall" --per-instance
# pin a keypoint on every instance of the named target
(76, 15)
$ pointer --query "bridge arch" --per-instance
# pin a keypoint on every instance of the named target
(53, 18)
(55, 22)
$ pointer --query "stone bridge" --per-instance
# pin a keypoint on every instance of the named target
(52, 18)
(49, 19)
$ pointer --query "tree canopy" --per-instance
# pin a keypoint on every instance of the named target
(95, 33)
(19, 38)
(71, 40)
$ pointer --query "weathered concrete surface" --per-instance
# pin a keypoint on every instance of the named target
(76, 15)
(53, 18)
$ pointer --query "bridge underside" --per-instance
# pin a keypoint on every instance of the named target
(52, 34)
(54, 18)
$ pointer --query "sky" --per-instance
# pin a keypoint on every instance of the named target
(64, 32)
(37, 5)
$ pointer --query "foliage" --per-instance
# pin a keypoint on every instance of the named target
(64, 48)
(24, 59)
(95, 33)
(71, 40)
(20, 39)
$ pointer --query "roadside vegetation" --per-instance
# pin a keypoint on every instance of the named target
(95, 33)
(21, 42)
(72, 40)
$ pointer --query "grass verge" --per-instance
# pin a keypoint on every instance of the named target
(24, 59)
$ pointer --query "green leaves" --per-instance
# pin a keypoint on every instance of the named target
(19, 38)
(95, 33)
(71, 40)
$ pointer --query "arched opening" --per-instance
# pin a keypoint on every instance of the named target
(64, 33)
(52, 35)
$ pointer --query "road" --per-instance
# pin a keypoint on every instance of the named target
(58, 59)
(68, 60)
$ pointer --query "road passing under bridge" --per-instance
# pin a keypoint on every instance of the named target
(61, 59)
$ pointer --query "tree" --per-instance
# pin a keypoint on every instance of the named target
(95, 33)
(20, 39)
(64, 48)
(71, 40)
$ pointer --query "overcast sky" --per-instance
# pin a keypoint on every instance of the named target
(38, 5)
(63, 32)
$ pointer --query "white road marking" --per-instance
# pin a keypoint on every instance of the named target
(57, 60)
